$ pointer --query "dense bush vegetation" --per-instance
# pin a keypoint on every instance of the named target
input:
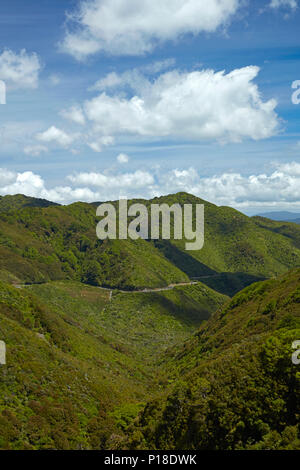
(79, 366)
(235, 386)
(90, 368)
(40, 241)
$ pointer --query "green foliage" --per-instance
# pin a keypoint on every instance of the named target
(19, 201)
(234, 384)
(96, 368)
(40, 241)
(126, 414)
(79, 365)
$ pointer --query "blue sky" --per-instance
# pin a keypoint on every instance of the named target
(160, 101)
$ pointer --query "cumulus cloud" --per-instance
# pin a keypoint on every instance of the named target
(26, 183)
(279, 188)
(123, 158)
(58, 136)
(91, 138)
(19, 70)
(104, 187)
(284, 3)
(136, 27)
(196, 105)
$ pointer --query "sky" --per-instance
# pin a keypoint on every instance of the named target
(141, 98)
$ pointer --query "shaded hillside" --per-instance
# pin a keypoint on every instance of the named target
(234, 383)
(238, 244)
(80, 365)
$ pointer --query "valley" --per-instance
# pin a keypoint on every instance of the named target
(140, 344)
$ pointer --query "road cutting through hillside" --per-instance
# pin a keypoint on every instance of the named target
(136, 291)
(147, 290)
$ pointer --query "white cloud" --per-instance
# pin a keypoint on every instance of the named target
(95, 146)
(35, 150)
(119, 27)
(104, 141)
(19, 70)
(26, 183)
(135, 78)
(123, 158)
(74, 114)
(138, 179)
(6, 177)
(58, 136)
(278, 189)
(111, 80)
(284, 3)
(90, 138)
(197, 105)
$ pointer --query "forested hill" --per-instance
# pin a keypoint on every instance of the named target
(81, 364)
(19, 201)
(40, 241)
(181, 368)
(234, 383)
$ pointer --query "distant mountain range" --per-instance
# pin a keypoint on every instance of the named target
(282, 216)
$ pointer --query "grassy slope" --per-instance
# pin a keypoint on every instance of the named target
(235, 386)
(79, 366)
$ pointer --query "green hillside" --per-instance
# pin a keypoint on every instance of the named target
(39, 244)
(42, 244)
(19, 201)
(234, 383)
(80, 364)
(235, 243)
(86, 354)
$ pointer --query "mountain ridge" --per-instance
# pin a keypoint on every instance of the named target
(38, 244)
(281, 216)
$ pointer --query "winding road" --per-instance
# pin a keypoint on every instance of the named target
(136, 291)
